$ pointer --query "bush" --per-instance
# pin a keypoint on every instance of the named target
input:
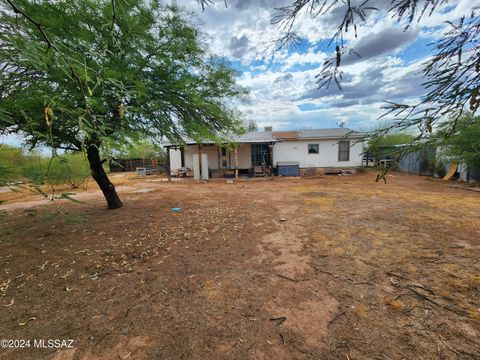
(10, 158)
(386, 146)
(440, 168)
(70, 169)
(35, 168)
(7, 172)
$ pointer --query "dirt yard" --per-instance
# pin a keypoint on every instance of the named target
(323, 268)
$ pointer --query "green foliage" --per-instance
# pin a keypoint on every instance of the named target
(440, 168)
(385, 146)
(10, 158)
(140, 149)
(251, 126)
(462, 139)
(452, 81)
(69, 169)
(80, 72)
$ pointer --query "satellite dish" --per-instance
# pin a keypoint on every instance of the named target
(341, 123)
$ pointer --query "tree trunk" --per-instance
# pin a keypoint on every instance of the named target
(98, 173)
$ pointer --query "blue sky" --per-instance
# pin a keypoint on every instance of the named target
(283, 92)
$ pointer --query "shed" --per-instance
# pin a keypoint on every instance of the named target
(419, 162)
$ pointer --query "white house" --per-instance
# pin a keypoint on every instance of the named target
(272, 151)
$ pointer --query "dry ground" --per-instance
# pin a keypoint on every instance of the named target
(325, 268)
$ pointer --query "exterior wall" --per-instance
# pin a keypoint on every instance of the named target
(211, 151)
(282, 151)
(214, 155)
(175, 159)
(244, 157)
(327, 156)
(418, 163)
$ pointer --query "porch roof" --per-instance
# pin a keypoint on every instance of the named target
(247, 138)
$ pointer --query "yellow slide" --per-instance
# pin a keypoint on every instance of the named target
(451, 171)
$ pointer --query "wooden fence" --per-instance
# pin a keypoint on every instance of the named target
(124, 165)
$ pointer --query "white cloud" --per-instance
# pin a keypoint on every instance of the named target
(280, 85)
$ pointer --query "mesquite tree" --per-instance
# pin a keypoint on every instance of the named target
(76, 74)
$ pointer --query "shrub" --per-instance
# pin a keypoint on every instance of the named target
(70, 169)
(10, 158)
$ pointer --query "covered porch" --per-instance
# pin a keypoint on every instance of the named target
(213, 161)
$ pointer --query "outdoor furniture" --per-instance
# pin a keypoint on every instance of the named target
(218, 173)
(141, 171)
(388, 163)
(229, 174)
(259, 171)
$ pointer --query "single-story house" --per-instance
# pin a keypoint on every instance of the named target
(274, 151)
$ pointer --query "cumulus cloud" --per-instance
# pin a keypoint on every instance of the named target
(282, 83)
(239, 46)
(386, 41)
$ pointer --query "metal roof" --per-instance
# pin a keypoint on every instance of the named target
(275, 136)
(250, 138)
(335, 133)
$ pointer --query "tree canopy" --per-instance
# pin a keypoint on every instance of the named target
(462, 139)
(385, 146)
(75, 73)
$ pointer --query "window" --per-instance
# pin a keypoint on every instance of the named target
(344, 151)
(224, 152)
(224, 163)
(313, 149)
(260, 155)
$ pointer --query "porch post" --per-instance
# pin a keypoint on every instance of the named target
(270, 155)
(200, 160)
(169, 170)
(236, 162)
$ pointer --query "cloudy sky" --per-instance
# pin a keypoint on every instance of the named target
(283, 89)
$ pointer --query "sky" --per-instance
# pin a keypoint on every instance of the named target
(283, 89)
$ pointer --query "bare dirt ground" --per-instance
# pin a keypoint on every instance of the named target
(324, 268)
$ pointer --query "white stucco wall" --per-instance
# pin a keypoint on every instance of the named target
(244, 156)
(211, 151)
(175, 159)
(214, 155)
(327, 156)
(282, 151)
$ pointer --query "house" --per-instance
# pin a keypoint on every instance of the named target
(268, 152)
